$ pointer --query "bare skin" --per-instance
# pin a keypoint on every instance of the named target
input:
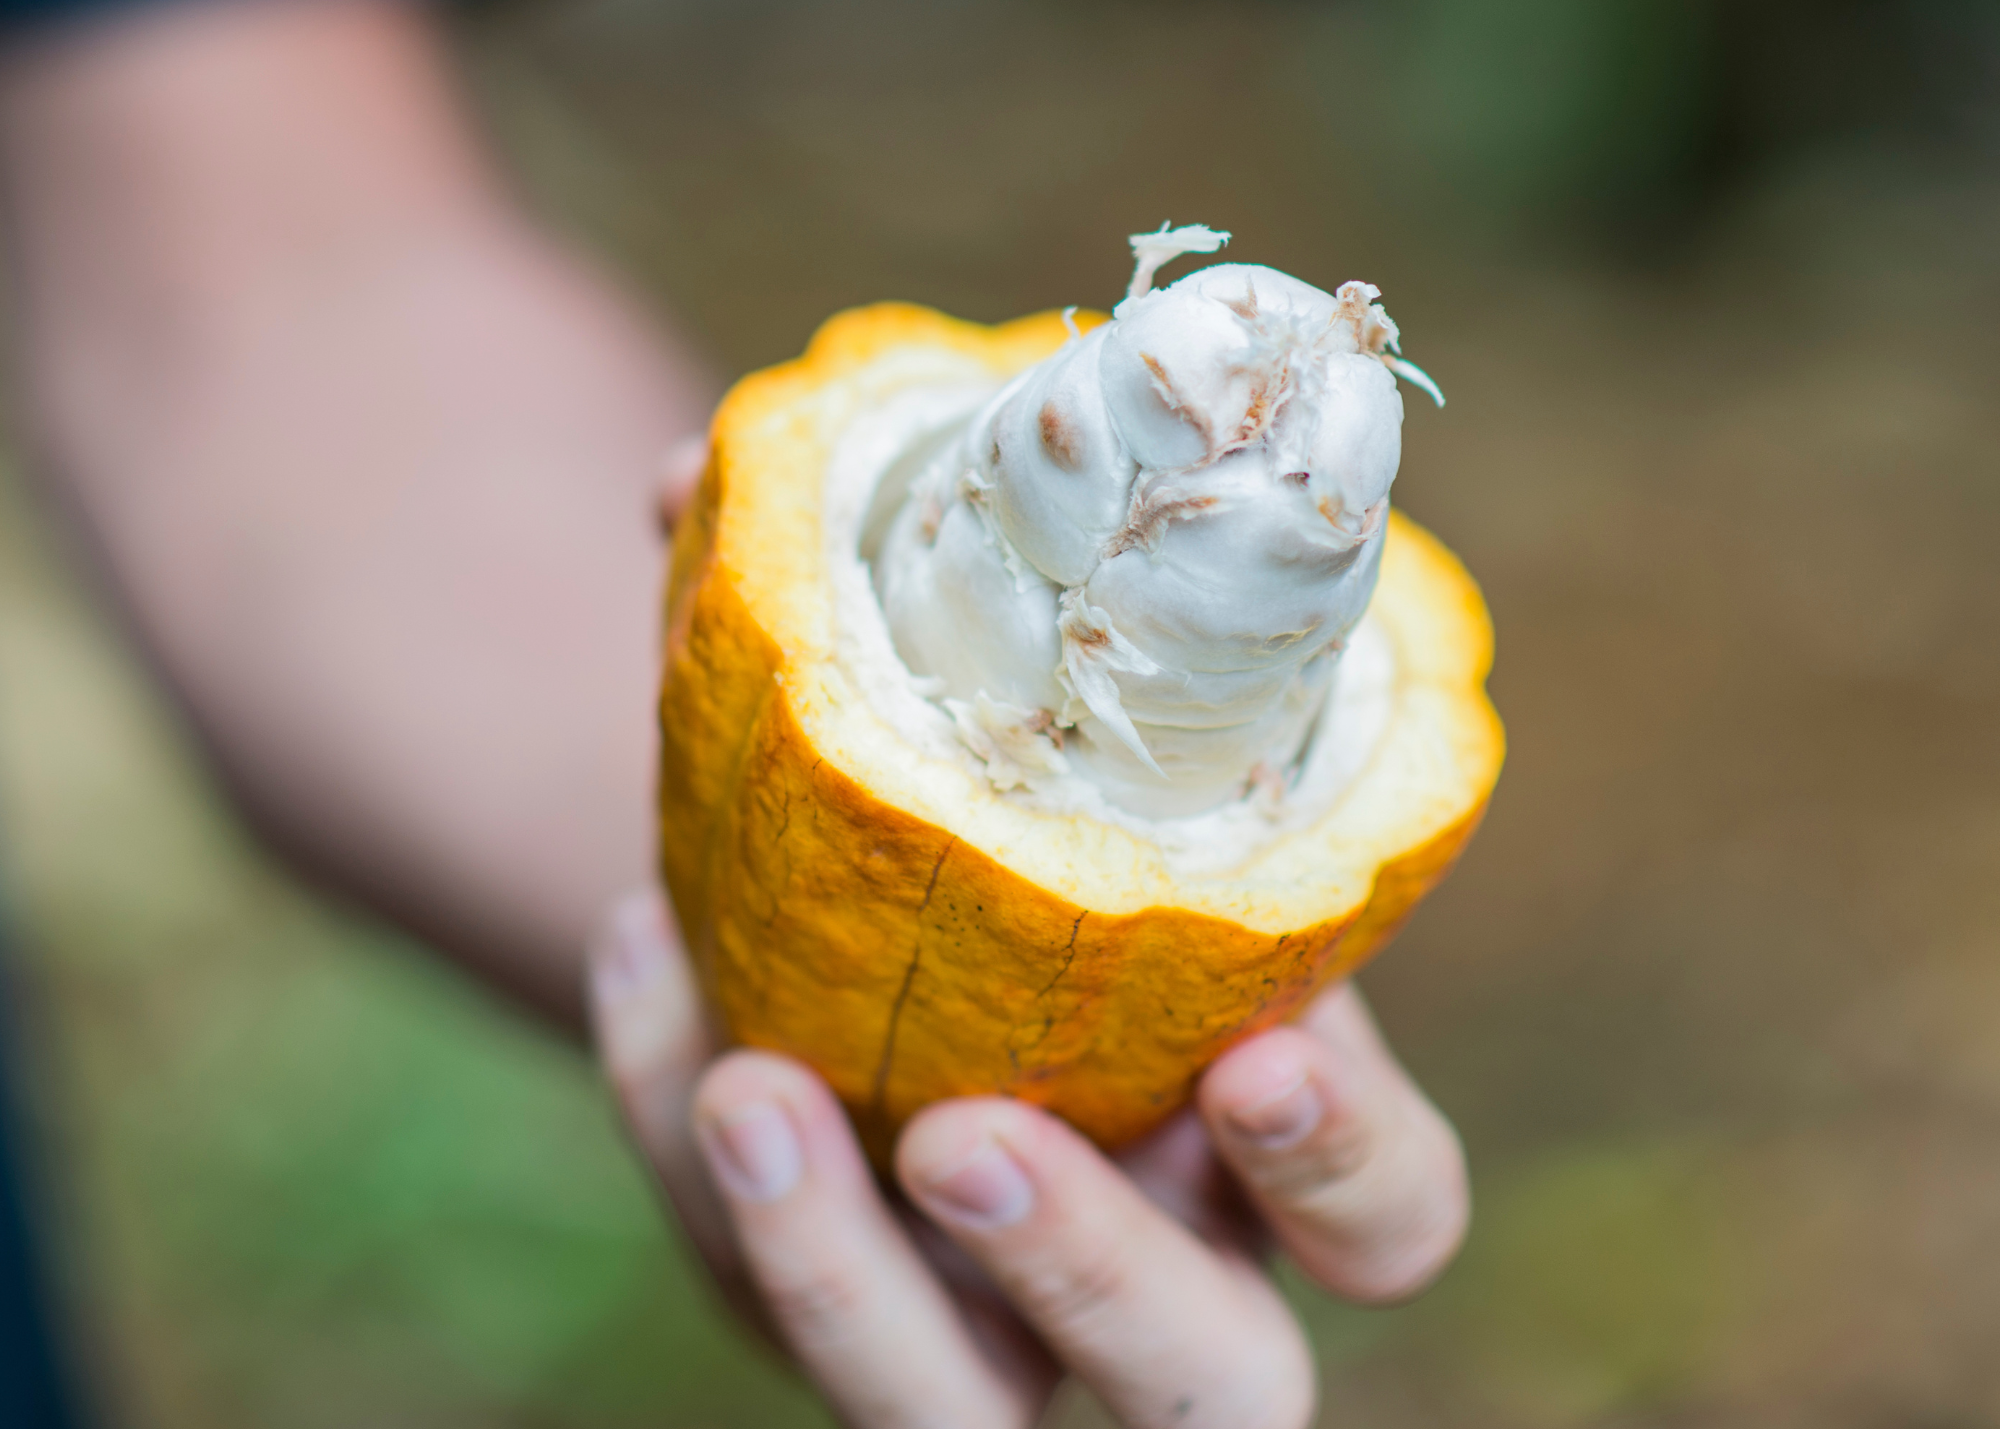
(373, 470)
(1029, 1254)
(360, 453)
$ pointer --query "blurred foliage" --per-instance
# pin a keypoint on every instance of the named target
(1590, 110)
(1632, 120)
(1712, 998)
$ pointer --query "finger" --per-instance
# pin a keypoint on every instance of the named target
(646, 1017)
(1166, 1330)
(680, 473)
(1361, 1178)
(654, 1046)
(846, 1287)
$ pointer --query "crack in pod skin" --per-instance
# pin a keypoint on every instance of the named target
(1148, 551)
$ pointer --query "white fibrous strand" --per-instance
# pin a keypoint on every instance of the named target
(1140, 562)
(1015, 744)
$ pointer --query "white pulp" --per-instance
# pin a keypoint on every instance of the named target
(1141, 560)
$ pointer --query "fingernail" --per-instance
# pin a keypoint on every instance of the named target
(986, 1189)
(754, 1152)
(632, 956)
(1282, 1120)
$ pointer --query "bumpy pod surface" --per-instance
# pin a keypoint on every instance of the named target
(882, 911)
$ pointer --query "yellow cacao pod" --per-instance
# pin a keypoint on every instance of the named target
(913, 935)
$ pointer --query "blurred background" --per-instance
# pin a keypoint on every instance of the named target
(1715, 997)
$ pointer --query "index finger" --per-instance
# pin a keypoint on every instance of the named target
(1167, 1330)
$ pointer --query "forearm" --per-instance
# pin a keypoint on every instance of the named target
(368, 462)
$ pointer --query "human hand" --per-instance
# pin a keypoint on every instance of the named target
(1011, 1251)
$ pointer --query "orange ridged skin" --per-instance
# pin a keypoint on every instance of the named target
(889, 947)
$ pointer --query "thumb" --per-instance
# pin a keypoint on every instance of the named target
(646, 1016)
